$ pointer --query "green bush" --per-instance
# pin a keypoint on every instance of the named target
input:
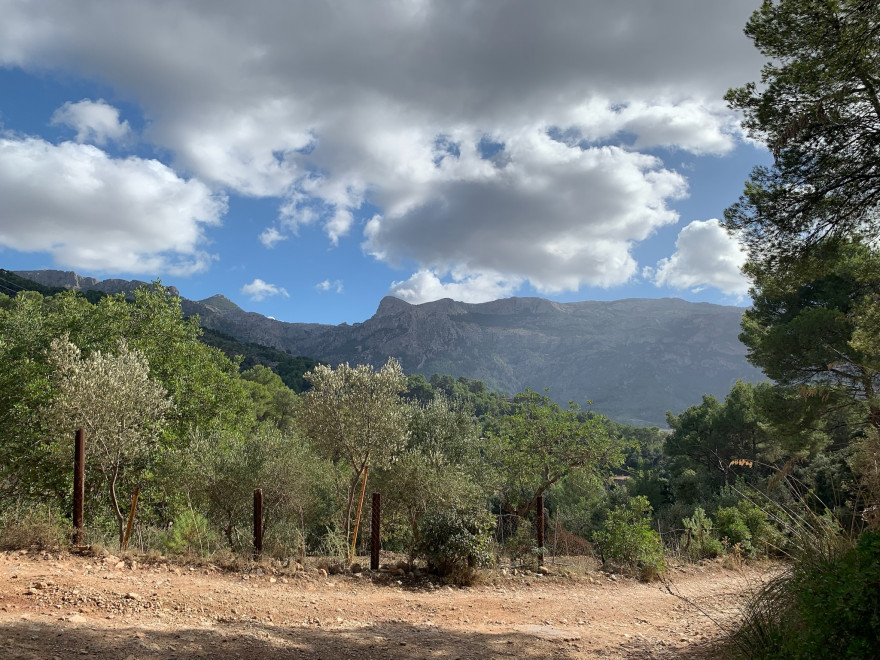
(839, 604)
(746, 524)
(37, 527)
(190, 534)
(455, 541)
(522, 545)
(826, 606)
(627, 539)
(698, 541)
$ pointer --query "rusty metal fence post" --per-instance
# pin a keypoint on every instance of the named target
(258, 523)
(79, 484)
(540, 526)
(375, 539)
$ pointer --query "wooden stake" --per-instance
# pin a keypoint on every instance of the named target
(357, 521)
(258, 523)
(375, 538)
(540, 525)
(79, 484)
(134, 503)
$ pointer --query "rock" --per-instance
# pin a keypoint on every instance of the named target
(133, 596)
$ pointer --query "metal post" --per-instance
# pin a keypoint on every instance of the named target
(258, 523)
(540, 526)
(375, 538)
(79, 484)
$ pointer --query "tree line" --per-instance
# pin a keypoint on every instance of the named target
(197, 433)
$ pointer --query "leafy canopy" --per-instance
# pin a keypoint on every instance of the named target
(818, 110)
(540, 443)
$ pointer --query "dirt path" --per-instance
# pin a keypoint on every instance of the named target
(59, 607)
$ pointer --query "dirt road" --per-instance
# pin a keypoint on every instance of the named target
(59, 607)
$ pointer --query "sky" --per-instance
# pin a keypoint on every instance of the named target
(307, 158)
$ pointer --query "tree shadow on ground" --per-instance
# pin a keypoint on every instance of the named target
(59, 640)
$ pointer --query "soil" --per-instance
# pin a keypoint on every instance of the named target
(61, 606)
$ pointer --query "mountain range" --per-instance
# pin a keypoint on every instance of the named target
(634, 359)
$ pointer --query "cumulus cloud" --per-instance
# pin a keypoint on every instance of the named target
(270, 236)
(561, 216)
(426, 285)
(259, 290)
(330, 285)
(705, 256)
(504, 138)
(92, 211)
(94, 121)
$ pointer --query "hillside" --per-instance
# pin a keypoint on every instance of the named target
(635, 359)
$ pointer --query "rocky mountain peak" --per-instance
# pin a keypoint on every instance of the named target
(67, 279)
(391, 306)
(220, 303)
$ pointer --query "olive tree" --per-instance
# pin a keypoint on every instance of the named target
(219, 472)
(114, 399)
(356, 418)
(540, 443)
(439, 468)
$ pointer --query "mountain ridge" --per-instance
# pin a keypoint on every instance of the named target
(633, 358)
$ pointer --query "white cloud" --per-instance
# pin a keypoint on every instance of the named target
(691, 125)
(94, 212)
(330, 105)
(259, 290)
(270, 236)
(426, 285)
(705, 256)
(94, 121)
(328, 285)
(560, 216)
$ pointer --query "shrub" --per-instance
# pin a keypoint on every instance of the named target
(522, 545)
(190, 534)
(827, 605)
(627, 539)
(746, 524)
(33, 527)
(840, 603)
(456, 541)
(698, 541)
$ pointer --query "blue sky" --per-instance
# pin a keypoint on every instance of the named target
(307, 159)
